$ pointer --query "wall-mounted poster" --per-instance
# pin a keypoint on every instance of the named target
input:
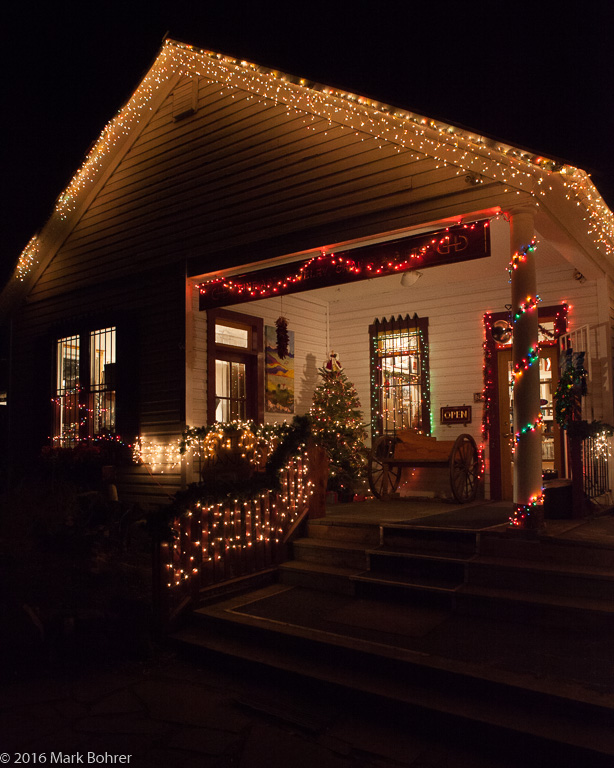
(279, 374)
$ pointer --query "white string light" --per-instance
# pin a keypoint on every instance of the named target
(323, 108)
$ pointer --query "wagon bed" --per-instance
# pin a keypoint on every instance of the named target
(409, 448)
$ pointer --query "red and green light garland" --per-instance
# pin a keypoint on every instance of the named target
(523, 512)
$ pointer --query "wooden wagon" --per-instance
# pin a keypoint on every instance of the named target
(409, 448)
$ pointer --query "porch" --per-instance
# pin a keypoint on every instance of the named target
(415, 352)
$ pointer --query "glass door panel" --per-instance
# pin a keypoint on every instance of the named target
(230, 391)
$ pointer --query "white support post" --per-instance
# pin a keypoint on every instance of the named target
(528, 512)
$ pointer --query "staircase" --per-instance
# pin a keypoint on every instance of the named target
(475, 627)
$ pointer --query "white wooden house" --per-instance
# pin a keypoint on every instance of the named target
(225, 193)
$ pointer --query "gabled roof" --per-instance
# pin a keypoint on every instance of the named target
(561, 189)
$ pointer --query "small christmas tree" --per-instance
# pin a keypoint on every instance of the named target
(338, 427)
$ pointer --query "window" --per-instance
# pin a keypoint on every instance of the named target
(235, 367)
(85, 386)
(399, 375)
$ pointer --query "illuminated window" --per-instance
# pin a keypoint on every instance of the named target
(235, 388)
(84, 402)
(101, 411)
(230, 390)
(399, 375)
(232, 335)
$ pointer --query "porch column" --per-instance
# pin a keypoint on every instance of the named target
(528, 512)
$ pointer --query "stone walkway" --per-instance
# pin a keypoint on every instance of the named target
(175, 714)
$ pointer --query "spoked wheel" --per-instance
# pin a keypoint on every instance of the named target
(464, 469)
(383, 478)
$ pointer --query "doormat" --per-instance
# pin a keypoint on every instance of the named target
(474, 518)
(390, 624)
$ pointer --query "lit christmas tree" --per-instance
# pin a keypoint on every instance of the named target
(338, 427)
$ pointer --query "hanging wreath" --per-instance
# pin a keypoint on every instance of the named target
(282, 337)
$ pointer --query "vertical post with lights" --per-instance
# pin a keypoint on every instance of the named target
(528, 511)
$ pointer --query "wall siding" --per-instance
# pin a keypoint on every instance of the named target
(307, 317)
(233, 174)
(151, 312)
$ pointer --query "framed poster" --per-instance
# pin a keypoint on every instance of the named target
(279, 392)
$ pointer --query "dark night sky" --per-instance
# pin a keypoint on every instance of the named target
(532, 79)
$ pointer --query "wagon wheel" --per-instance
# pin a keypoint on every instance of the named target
(383, 475)
(464, 469)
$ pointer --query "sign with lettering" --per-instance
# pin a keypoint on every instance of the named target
(446, 246)
(456, 414)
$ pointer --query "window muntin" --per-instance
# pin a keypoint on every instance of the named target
(399, 363)
(84, 403)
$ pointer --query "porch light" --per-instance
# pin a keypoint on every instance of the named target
(410, 278)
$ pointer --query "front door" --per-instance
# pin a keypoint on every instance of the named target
(552, 464)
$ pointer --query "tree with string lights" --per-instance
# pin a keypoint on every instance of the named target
(338, 427)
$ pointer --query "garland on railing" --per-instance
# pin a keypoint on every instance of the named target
(285, 442)
(288, 439)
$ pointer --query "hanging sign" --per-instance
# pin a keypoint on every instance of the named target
(460, 243)
(455, 414)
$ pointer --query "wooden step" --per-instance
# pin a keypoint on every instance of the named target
(328, 578)
(406, 590)
(428, 539)
(578, 582)
(360, 533)
(567, 553)
(386, 560)
(532, 609)
(330, 552)
(448, 692)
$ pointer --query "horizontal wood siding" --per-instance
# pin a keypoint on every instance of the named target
(307, 318)
(237, 172)
(454, 299)
(150, 311)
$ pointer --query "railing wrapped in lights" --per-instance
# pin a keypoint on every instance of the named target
(235, 521)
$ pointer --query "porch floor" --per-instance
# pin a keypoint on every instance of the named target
(598, 528)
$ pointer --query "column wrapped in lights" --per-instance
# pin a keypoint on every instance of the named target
(528, 513)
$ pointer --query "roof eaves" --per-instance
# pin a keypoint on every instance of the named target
(449, 145)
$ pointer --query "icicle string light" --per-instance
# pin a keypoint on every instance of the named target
(322, 109)
(212, 538)
(28, 259)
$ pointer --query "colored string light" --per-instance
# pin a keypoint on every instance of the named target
(531, 427)
(527, 362)
(255, 286)
(521, 256)
(524, 513)
(528, 306)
